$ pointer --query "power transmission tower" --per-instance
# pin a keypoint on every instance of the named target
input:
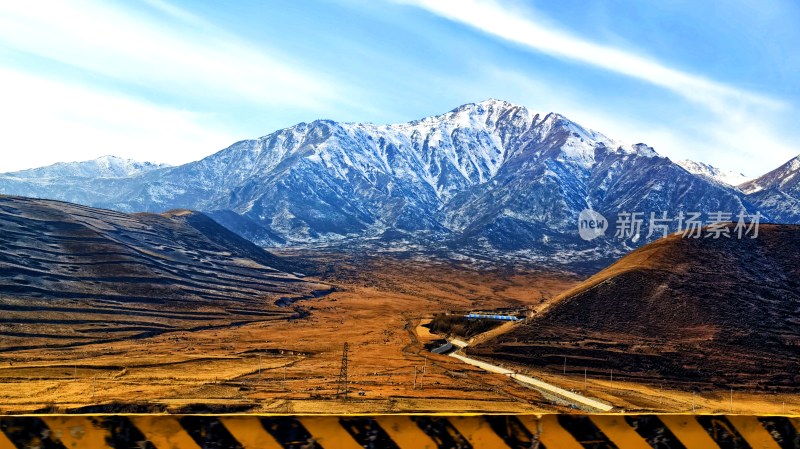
(341, 389)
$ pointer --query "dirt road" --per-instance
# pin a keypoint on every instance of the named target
(536, 383)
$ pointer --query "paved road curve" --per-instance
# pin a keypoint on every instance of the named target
(529, 380)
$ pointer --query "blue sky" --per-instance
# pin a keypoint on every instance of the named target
(714, 81)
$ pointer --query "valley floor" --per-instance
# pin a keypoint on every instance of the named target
(289, 365)
(293, 365)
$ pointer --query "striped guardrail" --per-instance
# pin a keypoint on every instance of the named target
(398, 432)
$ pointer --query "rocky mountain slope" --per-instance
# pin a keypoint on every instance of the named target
(491, 176)
(714, 313)
(778, 192)
(728, 177)
(78, 274)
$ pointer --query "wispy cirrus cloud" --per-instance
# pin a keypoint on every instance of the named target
(503, 21)
(741, 122)
(47, 121)
(145, 80)
(159, 47)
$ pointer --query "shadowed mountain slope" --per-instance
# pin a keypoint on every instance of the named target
(73, 274)
(683, 310)
(777, 192)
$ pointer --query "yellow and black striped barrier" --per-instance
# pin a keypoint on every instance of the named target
(398, 432)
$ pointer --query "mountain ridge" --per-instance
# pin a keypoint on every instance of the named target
(778, 191)
(728, 177)
(108, 166)
(489, 175)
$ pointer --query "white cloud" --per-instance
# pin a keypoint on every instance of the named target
(168, 50)
(499, 19)
(752, 145)
(151, 49)
(740, 124)
(46, 121)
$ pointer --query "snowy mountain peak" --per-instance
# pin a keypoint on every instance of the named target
(483, 113)
(784, 177)
(115, 167)
(639, 149)
(490, 104)
(103, 167)
(728, 177)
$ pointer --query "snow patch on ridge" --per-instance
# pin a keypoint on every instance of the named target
(728, 177)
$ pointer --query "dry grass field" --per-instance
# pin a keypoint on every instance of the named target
(292, 365)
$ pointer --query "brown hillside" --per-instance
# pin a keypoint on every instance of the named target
(73, 275)
(703, 311)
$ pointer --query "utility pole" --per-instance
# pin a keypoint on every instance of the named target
(424, 371)
(341, 389)
(565, 366)
(731, 400)
(415, 377)
(584, 379)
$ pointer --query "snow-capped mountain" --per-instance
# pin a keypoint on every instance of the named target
(729, 177)
(98, 181)
(102, 167)
(778, 191)
(783, 178)
(489, 175)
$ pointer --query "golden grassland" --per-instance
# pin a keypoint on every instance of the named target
(292, 365)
